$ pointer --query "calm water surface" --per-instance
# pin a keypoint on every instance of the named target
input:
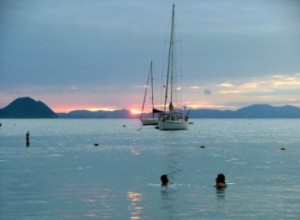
(62, 175)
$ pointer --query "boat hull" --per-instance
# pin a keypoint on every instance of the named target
(173, 125)
(173, 120)
(149, 121)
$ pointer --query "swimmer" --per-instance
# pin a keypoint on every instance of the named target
(220, 181)
(164, 180)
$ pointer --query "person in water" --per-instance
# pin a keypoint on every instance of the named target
(164, 180)
(220, 181)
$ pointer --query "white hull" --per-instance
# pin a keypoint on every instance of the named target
(173, 125)
(173, 120)
(149, 121)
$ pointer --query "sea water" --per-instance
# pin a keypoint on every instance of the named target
(63, 175)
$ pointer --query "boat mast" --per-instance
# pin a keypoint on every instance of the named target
(170, 67)
(145, 95)
(152, 97)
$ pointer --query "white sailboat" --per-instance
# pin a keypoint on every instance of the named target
(173, 118)
(149, 120)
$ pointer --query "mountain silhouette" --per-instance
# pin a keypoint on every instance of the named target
(26, 107)
(252, 111)
(123, 113)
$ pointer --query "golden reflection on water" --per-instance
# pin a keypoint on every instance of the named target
(134, 207)
(98, 198)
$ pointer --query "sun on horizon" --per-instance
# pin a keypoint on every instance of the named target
(135, 111)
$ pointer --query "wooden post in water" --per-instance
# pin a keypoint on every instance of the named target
(27, 139)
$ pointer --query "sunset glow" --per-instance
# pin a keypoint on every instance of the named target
(135, 111)
(94, 109)
(273, 89)
(69, 108)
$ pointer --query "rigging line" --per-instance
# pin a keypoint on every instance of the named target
(145, 94)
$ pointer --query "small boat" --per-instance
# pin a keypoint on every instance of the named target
(144, 119)
(173, 118)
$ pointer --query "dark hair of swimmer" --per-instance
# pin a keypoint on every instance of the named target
(220, 181)
(164, 180)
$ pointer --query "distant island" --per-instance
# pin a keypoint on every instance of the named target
(26, 107)
(252, 111)
(123, 113)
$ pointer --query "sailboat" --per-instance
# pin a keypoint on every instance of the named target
(149, 120)
(173, 118)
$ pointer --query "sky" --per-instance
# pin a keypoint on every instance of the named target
(95, 55)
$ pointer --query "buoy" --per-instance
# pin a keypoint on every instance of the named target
(202, 146)
(96, 145)
(283, 148)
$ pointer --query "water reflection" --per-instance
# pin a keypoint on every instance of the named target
(220, 193)
(97, 202)
(169, 204)
(169, 194)
(134, 207)
(135, 151)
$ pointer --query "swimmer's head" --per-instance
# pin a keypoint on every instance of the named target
(220, 178)
(164, 180)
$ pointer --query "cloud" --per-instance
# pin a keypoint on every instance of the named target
(226, 84)
(74, 88)
(276, 89)
(266, 85)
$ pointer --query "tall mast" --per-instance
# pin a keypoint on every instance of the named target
(170, 67)
(152, 97)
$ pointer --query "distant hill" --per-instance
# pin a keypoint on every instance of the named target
(252, 111)
(123, 113)
(27, 108)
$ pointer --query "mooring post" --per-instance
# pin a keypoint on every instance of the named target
(27, 139)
